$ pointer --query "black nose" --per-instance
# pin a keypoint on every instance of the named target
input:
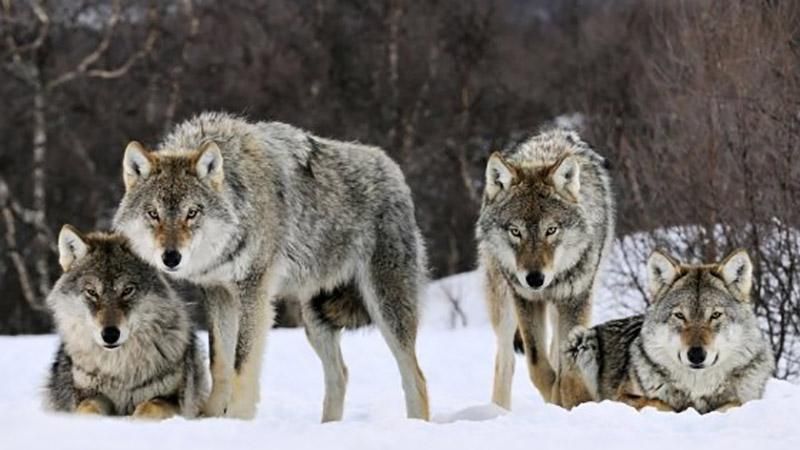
(535, 279)
(171, 258)
(110, 335)
(696, 355)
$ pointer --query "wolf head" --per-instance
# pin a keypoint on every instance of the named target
(172, 210)
(701, 315)
(531, 219)
(106, 294)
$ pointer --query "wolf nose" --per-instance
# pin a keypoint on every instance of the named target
(110, 335)
(171, 258)
(696, 355)
(535, 279)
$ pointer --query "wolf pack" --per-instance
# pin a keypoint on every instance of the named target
(256, 212)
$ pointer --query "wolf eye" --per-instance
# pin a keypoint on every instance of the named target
(716, 315)
(551, 230)
(514, 231)
(90, 292)
(680, 316)
(153, 214)
(128, 291)
(192, 213)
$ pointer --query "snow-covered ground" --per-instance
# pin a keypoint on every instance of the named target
(458, 365)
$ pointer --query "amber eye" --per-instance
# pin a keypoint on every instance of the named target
(192, 213)
(551, 230)
(514, 231)
(153, 214)
(680, 316)
(716, 315)
(128, 291)
(91, 292)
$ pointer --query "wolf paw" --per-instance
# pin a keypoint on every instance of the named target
(154, 410)
(217, 404)
(582, 350)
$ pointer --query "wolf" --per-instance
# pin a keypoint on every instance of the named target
(255, 211)
(697, 346)
(545, 225)
(127, 343)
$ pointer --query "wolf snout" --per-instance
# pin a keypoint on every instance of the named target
(696, 356)
(171, 258)
(535, 279)
(110, 336)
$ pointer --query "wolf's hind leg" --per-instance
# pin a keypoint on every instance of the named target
(223, 328)
(504, 322)
(155, 409)
(532, 317)
(325, 340)
(98, 405)
(391, 298)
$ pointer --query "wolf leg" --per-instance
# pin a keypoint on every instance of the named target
(504, 322)
(569, 389)
(155, 409)
(254, 323)
(580, 352)
(326, 343)
(391, 298)
(532, 317)
(223, 329)
(97, 405)
(728, 406)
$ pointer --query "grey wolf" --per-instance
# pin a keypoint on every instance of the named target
(545, 226)
(255, 211)
(127, 345)
(697, 346)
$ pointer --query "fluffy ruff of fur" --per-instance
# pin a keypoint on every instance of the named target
(156, 371)
(259, 211)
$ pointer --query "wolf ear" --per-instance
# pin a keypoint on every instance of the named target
(737, 271)
(71, 246)
(136, 164)
(566, 176)
(208, 165)
(499, 175)
(661, 271)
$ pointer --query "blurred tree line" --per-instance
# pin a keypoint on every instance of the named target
(695, 102)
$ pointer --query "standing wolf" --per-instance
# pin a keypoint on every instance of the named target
(127, 342)
(258, 211)
(546, 223)
(697, 346)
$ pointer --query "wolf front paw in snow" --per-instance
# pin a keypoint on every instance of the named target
(127, 346)
(697, 346)
(259, 211)
(546, 223)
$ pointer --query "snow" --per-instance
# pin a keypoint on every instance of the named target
(458, 364)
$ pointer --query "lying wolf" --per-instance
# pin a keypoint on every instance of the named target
(127, 345)
(697, 346)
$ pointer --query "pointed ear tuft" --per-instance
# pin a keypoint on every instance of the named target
(208, 165)
(737, 271)
(136, 164)
(566, 177)
(661, 271)
(499, 175)
(71, 246)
